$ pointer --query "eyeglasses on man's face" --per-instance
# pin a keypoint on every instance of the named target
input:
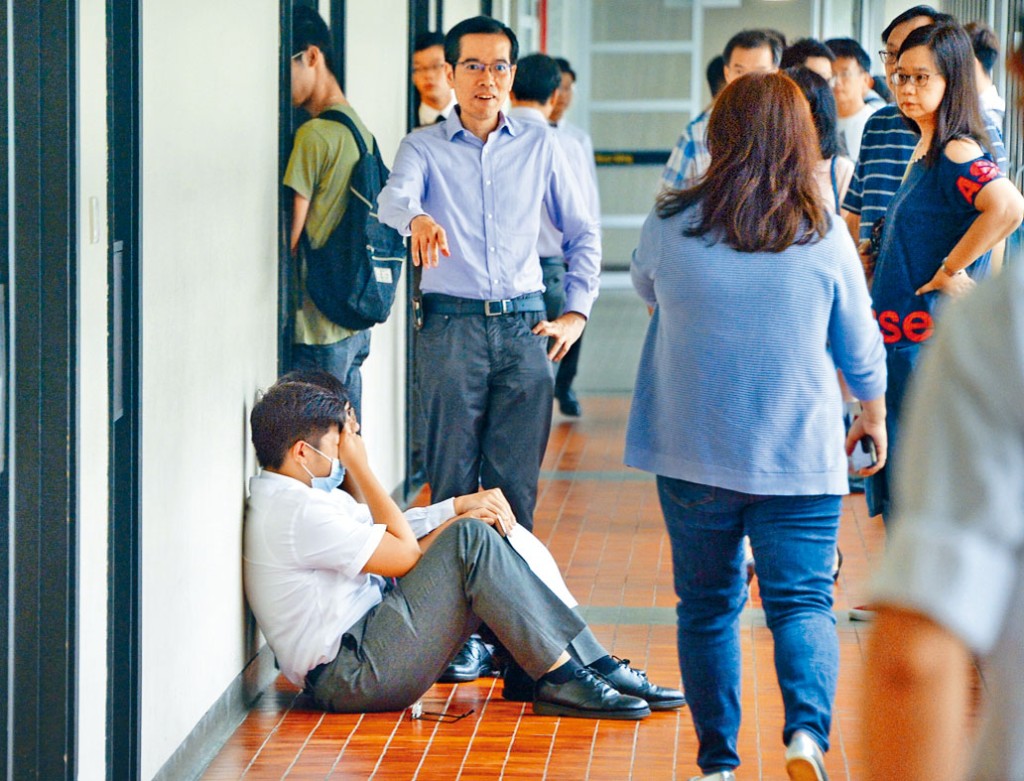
(477, 68)
(435, 68)
(919, 80)
(888, 57)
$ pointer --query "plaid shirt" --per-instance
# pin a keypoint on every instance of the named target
(690, 158)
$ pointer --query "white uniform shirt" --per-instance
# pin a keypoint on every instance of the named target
(303, 556)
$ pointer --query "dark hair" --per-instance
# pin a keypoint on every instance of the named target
(537, 78)
(755, 39)
(959, 113)
(849, 48)
(759, 193)
(715, 74)
(318, 377)
(291, 411)
(427, 40)
(802, 50)
(823, 108)
(309, 29)
(478, 25)
(882, 88)
(985, 44)
(913, 13)
(565, 67)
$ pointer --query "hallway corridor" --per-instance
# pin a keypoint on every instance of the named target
(603, 525)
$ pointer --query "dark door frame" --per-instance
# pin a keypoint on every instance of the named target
(40, 700)
(124, 609)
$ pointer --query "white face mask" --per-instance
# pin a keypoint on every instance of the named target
(331, 481)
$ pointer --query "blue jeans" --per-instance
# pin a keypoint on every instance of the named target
(342, 359)
(794, 540)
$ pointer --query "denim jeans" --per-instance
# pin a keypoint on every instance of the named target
(342, 359)
(793, 538)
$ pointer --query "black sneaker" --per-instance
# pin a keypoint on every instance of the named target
(585, 696)
(626, 680)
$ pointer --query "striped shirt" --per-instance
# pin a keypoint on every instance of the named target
(885, 151)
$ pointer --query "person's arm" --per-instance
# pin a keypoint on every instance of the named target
(916, 695)
(400, 206)
(581, 246)
(300, 210)
(398, 552)
(1001, 208)
(852, 224)
(488, 505)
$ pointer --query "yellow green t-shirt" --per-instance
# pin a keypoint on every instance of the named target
(320, 169)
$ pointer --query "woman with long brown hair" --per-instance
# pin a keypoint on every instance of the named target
(758, 297)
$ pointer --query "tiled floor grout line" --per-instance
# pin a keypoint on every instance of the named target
(433, 732)
(387, 745)
(344, 746)
(305, 743)
(270, 734)
(551, 748)
(512, 742)
(472, 737)
(593, 742)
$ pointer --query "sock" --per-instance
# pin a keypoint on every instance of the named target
(562, 674)
(606, 665)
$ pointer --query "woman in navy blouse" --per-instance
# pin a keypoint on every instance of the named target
(953, 206)
(758, 296)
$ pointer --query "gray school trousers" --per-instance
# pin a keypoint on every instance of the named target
(468, 575)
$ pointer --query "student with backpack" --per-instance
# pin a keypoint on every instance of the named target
(349, 267)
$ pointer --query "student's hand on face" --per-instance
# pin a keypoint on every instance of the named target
(351, 447)
(565, 330)
(428, 241)
(489, 506)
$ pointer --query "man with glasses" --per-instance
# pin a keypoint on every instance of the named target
(852, 70)
(324, 155)
(469, 192)
(887, 143)
(437, 99)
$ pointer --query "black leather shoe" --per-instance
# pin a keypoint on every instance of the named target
(470, 663)
(519, 687)
(586, 697)
(568, 403)
(626, 680)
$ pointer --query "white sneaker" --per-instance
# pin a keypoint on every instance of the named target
(721, 775)
(804, 759)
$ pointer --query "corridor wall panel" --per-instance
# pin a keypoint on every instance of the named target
(209, 340)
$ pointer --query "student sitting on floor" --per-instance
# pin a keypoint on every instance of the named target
(366, 616)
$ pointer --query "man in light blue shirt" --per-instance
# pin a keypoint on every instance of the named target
(469, 192)
(535, 95)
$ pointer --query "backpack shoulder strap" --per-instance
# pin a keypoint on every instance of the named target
(344, 119)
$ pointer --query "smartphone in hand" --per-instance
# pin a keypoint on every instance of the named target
(864, 455)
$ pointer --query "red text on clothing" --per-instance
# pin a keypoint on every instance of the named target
(916, 326)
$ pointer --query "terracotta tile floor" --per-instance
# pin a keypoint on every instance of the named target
(602, 522)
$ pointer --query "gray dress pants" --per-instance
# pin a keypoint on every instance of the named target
(468, 575)
(486, 389)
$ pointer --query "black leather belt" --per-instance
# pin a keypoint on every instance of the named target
(436, 303)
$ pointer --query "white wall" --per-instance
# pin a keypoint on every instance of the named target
(209, 339)
(92, 390)
(457, 10)
(376, 75)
